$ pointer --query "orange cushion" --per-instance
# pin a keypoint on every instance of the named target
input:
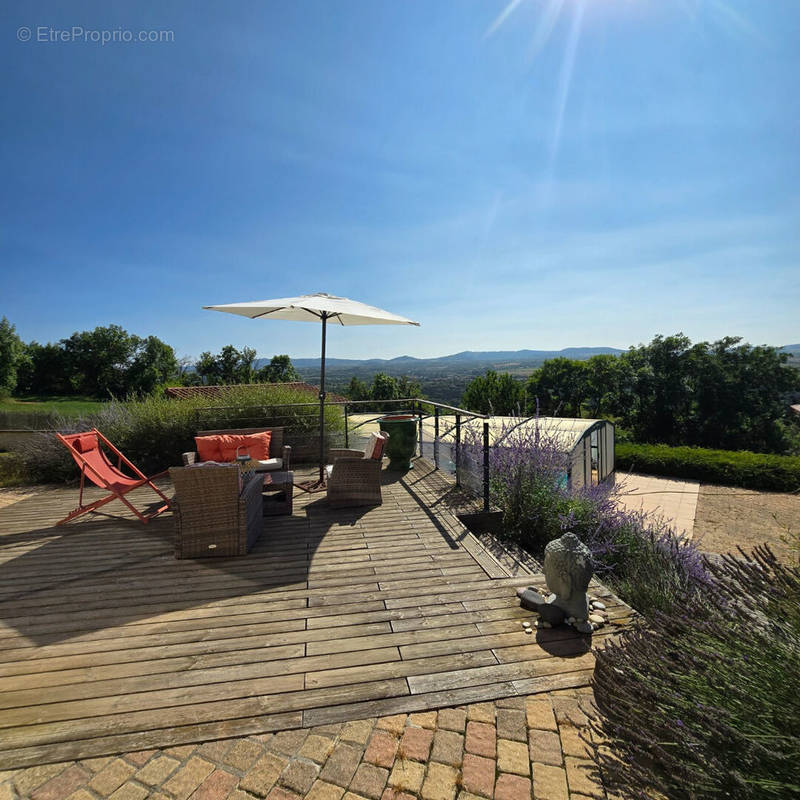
(256, 445)
(208, 448)
(83, 444)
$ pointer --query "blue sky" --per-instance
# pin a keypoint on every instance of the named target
(534, 174)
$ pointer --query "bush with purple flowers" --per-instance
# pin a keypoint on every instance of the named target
(703, 702)
(639, 555)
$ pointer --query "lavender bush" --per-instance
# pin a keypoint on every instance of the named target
(639, 555)
(703, 703)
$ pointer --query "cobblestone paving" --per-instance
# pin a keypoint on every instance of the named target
(514, 749)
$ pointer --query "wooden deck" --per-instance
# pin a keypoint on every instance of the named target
(109, 644)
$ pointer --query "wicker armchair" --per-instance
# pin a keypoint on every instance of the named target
(212, 517)
(277, 449)
(354, 479)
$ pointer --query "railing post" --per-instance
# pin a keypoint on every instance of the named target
(458, 447)
(436, 437)
(486, 466)
(418, 407)
(346, 429)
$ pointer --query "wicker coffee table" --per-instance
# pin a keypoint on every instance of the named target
(278, 490)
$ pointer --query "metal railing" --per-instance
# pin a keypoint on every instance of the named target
(468, 461)
(443, 431)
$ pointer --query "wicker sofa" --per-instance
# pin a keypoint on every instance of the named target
(280, 453)
(213, 517)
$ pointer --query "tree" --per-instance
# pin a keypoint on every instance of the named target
(384, 387)
(279, 370)
(609, 386)
(229, 366)
(357, 389)
(11, 352)
(559, 386)
(153, 364)
(408, 387)
(494, 394)
(44, 370)
(98, 360)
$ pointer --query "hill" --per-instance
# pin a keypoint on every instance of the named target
(443, 378)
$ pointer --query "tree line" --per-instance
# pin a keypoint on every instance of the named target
(383, 387)
(724, 394)
(109, 361)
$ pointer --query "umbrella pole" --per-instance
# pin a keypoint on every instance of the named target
(322, 403)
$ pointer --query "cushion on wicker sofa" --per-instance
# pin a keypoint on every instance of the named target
(208, 448)
(256, 444)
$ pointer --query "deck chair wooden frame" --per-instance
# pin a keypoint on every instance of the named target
(101, 472)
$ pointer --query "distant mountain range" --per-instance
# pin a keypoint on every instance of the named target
(466, 358)
(472, 358)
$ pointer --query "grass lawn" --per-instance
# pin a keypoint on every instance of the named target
(67, 406)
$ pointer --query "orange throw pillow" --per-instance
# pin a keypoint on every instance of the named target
(208, 448)
(256, 445)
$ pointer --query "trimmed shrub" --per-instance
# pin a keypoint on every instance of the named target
(153, 431)
(702, 703)
(725, 467)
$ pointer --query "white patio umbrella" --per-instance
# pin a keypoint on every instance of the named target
(319, 307)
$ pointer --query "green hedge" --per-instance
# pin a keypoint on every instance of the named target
(724, 467)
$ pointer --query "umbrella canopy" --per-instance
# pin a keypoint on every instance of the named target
(318, 307)
(314, 308)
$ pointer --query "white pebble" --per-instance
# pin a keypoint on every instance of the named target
(598, 604)
(528, 630)
(596, 618)
(526, 624)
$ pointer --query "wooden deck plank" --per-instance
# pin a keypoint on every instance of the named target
(107, 643)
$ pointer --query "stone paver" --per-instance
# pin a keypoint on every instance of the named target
(111, 777)
(416, 744)
(189, 777)
(478, 775)
(341, 764)
(549, 782)
(517, 748)
(452, 719)
(481, 739)
(513, 757)
(511, 724)
(382, 748)
(448, 748)
(407, 776)
(261, 778)
(440, 783)
(512, 787)
(369, 781)
(62, 784)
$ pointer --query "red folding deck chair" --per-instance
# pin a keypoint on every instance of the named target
(89, 456)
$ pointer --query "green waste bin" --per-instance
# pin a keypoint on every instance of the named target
(402, 430)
